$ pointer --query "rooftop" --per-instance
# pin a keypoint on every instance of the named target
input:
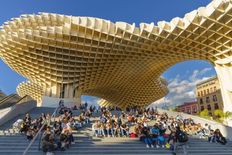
(187, 103)
(208, 80)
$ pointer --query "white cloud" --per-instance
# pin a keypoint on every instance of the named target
(183, 90)
(198, 73)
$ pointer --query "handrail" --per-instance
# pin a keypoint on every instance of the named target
(11, 100)
(7, 98)
(21, 99)
(37, 134)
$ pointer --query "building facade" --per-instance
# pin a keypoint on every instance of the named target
(188, 107)
(209, 95)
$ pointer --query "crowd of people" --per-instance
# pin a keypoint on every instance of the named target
(110, 125)
(154, 129)
(57, 131)
(31, 126)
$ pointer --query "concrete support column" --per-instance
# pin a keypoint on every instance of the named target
(77, 97)
(70, 90)
(39, 103)
(54, 91)
(224, 74)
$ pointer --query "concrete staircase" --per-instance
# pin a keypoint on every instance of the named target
(12, 143)
(15, 144)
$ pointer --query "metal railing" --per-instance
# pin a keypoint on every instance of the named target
(12, 100)
(23, 99)
(39, 132)
(7, 98)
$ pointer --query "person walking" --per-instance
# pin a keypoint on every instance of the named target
(180, 141)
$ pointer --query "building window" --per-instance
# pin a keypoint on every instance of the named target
(214, 98)
(198, 93)
(207, 91)
(201, 93)
(188, 110)
(201, 101)
(216, 106)
(183, 109)
(194, 109)
(215, 89)
(209, 107)
(202, 108)
(207, 100)
(204, 92)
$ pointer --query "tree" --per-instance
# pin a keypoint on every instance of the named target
(204, 113)
(173, 109)
(227, 117)
(227, 114)
(218, 113)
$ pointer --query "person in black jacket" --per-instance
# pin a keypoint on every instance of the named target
(181, 140)
(48, 141)
(146, 138)
(218, 137)
(63, 140)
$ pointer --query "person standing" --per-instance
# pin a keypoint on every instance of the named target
(180, 140)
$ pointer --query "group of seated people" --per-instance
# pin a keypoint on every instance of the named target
(110, 125)
(31, 126)
(216, 137)
(153, 128)
(166, 130)
(56, 132)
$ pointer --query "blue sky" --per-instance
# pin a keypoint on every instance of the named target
(131, 11)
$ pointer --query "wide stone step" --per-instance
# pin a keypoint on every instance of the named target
(211, 153)
(16, 141)
(139, 146)
(149, 151)
(94, 153)
(117, 151)
(13, 138)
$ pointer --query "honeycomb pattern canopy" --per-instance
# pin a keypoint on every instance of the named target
(69, 56)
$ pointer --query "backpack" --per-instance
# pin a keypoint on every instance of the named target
(133, 135)
(182, 137)
(103, 120)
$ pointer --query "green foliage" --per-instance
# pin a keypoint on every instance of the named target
(227, 114)
(204, 113)
(173, 109)
(218, 113)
